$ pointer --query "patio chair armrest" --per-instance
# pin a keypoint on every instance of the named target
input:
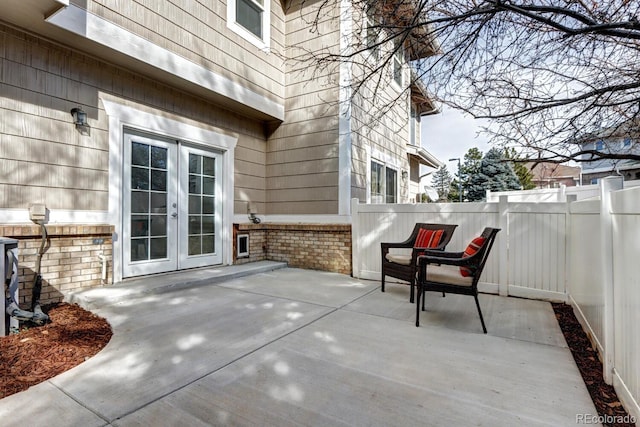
(386, 246)
(446, 260)
(434, 252)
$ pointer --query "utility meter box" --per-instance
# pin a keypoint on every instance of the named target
(7, 323)
(37, 212)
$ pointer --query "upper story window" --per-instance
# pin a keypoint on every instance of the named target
(250, 19)
(626, 143)
(372, 33)
(599, 145)
(398, 60)
(414, 126)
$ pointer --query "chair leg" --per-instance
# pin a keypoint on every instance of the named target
(418, 306)
(412, 292)
(382, 280)
(484, 328)
(443, 295)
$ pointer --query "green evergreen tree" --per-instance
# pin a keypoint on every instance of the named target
(469, 167)
(524, 174)
(441, 181)
(494, 174)
(454, 191)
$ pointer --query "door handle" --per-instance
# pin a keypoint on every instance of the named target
(174, 215)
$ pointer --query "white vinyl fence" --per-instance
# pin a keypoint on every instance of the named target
(528, 258)
(559, 194)
(586, 253)
(605, 283)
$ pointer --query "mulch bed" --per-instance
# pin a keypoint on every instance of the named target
(39, 353)
(74, 335)
(603, 395)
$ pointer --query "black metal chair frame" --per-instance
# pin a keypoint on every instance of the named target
(408, 272)
(475, 263)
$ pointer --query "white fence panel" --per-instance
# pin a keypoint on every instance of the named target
(376, 223)
(626, 250)
(537, 250)
(560, 194)
(585, 264)
(534, 263)
(537, 195)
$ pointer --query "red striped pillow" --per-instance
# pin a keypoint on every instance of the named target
(473, 247)
(428, 238)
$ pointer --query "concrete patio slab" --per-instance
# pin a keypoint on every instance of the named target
(328, 289)
(346, 369)
(164, 342)
(44, 405)
(299, 347)
(516, 318)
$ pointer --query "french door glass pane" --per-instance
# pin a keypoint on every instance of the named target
(139, 202)
(159, 157)
(139, 178)
(158, 248)
(139, 154)
(148, 201)
(201, 204)
(139, 249)
(207, 205)
(195, 245)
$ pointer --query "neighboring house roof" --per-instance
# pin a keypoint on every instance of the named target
(546, 172)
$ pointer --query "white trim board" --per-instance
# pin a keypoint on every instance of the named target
(56, 216)
(121, 116)
(97, 29)
(344, 117)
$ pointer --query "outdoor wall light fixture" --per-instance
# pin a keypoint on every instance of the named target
(79, 117)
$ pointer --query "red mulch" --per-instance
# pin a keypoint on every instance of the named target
(39, 353)
(74, 335)
(603, 395)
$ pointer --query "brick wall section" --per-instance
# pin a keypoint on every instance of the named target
(70, 260)
(257, 242)
(324, 247)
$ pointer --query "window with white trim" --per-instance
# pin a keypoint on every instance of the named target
(414, 126)
(384, 183)
(372, 33)
(398, 60)
(250, 19)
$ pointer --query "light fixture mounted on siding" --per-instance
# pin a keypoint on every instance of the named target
(79, 117)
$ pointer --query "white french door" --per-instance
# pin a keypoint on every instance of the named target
(171, 206)
(200, 218)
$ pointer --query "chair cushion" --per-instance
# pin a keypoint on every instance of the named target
(473, 247)
(447, 274)
(428, 238)
(404, 259)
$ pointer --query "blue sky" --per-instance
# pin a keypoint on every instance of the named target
(450, 134)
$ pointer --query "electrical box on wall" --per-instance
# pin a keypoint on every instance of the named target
(37, 212)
